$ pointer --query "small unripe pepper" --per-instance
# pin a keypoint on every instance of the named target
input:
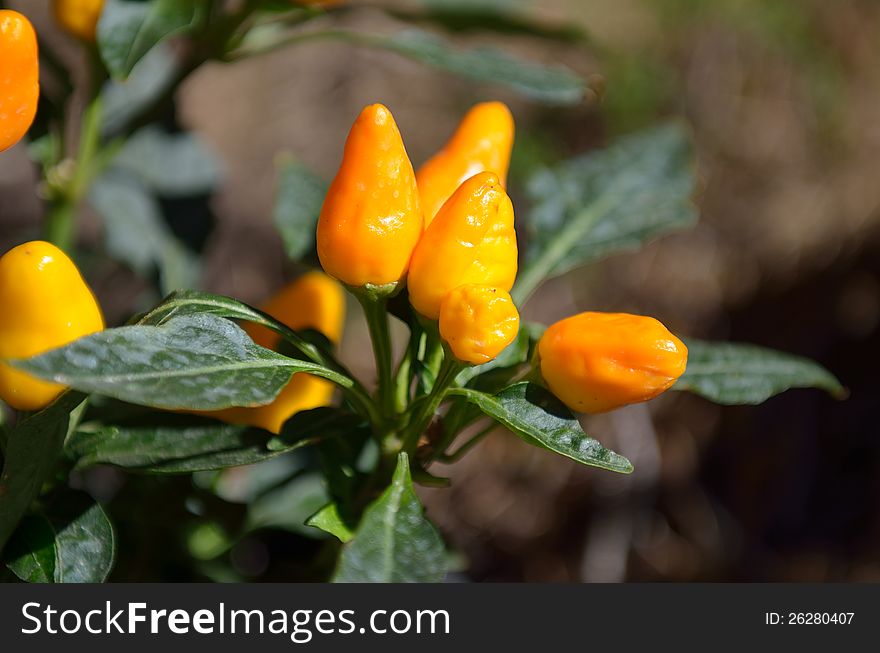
(472, 240)
(596, 362)
(478, 322)
(19, 77)
(371, 221)
(482, 143)
(78, 17)
(44, 304)
(313, 301)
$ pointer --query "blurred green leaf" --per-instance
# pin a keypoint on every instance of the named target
(122, 101)
(607, 201)
(329, 520)
(395, 542)
(170, 165)
(32, 451)
(500, 16)
(198, 362)
(182, 444)
(731, 374)
(136, 235)
(297, 206)
(72, 542)
(549, 84)
(540, 419)
(289, 506)
(128, 30)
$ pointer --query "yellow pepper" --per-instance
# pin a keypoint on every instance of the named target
(596, 362)
(472, 240)
(44, 304)
(478, 322)
(313, 301)
(482, 143)
(371, 221)
(78, 17)
(19, 77)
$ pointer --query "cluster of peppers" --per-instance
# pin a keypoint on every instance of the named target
(458, 260)
(445, 233)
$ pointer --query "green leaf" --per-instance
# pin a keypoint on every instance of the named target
(297, 206)
(182, 444)
(329, 520)
(549, 84)
(289, 506)
(732, 374)
(30, 552)
(136, 233)
(122, 101)
(394, 543)
(500, 16)
(198, 362)
(128, 30)
(606, 202)
(32, 452)
(540, 419)
(171, 165)
(73, 542)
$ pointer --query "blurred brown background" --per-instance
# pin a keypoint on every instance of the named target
(784, 100)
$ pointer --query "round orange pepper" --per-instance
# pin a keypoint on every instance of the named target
(19, 77)
(472, 240)
(44, 304)
(371, 221)
(481, 143)
(313, 301)
(596, 362)
(478, 322)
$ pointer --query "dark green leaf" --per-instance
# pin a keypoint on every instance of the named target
(394, 543)
(135, 232)
(731, 374)
(128, 30)
(297, 205)
(328, 520)
(198, 362)
(30, 552)
(32, 452)
(171, 165)
(181, 444)
(607, 201)
(72, 543)
(540, 419)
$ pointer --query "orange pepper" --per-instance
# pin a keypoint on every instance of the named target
(481, 143)
(596, 362)
(472, 240)
(19, 77)
(78, 17)
(478, 322)
(371, 221)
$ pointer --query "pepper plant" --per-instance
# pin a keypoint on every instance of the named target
(208, 386)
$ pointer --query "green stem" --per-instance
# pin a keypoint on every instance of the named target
(431, 402)
(376, 312)
(459, 453)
